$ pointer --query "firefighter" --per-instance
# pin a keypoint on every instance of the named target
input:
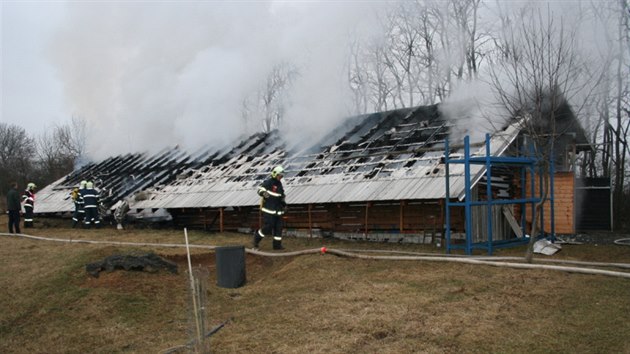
(14, 208)
(272, 206)
(28, 199)
(90, 198)
(79, 214)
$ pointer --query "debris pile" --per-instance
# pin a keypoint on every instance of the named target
(149, 262)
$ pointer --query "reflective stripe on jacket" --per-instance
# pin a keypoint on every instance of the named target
(29, 198)
(90, 198)
(274, 204)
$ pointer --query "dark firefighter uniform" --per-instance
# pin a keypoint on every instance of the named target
(28, 198)
(90, 198)
(14, 209)
(272, 208)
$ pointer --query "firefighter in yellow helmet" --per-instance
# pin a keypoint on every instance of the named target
(272, 207)
(91, 200)
(79, 213)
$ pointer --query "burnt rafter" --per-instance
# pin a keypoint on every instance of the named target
(384, 141)
(364, 147)
(394, 155)
(120, 177)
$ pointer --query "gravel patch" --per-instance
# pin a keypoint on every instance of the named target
(595, 238)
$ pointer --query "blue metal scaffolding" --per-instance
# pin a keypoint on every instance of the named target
(527, 164)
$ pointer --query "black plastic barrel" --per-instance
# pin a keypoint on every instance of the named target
(230, 266)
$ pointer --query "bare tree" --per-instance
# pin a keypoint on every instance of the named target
(452, 26)
(246, 113)
(594, 119)
(53, 160)
(17, 151)
(274, 94)
(610, 126)
(451, 53)
(402, 54)
(269, 102)
(59, 148)
(533, 82)
(369, 77)
(466, 17)
(358, 77)
(622, 110)
(427, 57)
(381, 86)
(423, 49)
(72, 137)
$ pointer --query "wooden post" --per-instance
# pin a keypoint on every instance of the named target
(310, 224)
(221, 220)
(367, 209)
(442, 202)
(402, 218)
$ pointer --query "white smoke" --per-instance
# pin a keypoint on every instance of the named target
(320, 97)
(474, 106)
(474, 110)
(147, 75)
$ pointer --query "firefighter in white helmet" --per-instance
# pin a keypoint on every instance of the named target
(272, 207)
(28, 198)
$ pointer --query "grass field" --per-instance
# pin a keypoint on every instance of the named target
(315, 303)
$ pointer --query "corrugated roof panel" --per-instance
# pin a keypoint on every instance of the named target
(405, 189)
(302, 194)
(374, 189)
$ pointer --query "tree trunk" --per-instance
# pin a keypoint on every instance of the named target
(538, 210)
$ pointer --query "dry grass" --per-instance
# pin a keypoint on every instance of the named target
(307, 304)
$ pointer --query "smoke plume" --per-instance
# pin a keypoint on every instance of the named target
(150, 75)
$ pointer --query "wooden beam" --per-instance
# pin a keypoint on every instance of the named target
(310, 222)
(221, 220)
(367, 209)
(402, 217)
(442, 203)
(512, 221)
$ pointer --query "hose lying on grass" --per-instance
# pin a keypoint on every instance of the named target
(501, 258)
(481, 261)
(623, 241)
(475, 260)
(107, 242)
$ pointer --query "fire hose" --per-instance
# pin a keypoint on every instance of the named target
(400, 256)
(623, 241)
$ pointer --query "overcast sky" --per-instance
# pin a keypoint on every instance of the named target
(146, 75)
(151, 74)
(32, 95)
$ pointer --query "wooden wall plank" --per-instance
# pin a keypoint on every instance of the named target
(564, 204)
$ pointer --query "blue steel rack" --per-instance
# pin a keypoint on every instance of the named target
(527, 163)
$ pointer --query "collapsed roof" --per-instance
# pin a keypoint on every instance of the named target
(394, 155)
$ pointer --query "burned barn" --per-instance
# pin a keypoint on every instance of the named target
(379, 176)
